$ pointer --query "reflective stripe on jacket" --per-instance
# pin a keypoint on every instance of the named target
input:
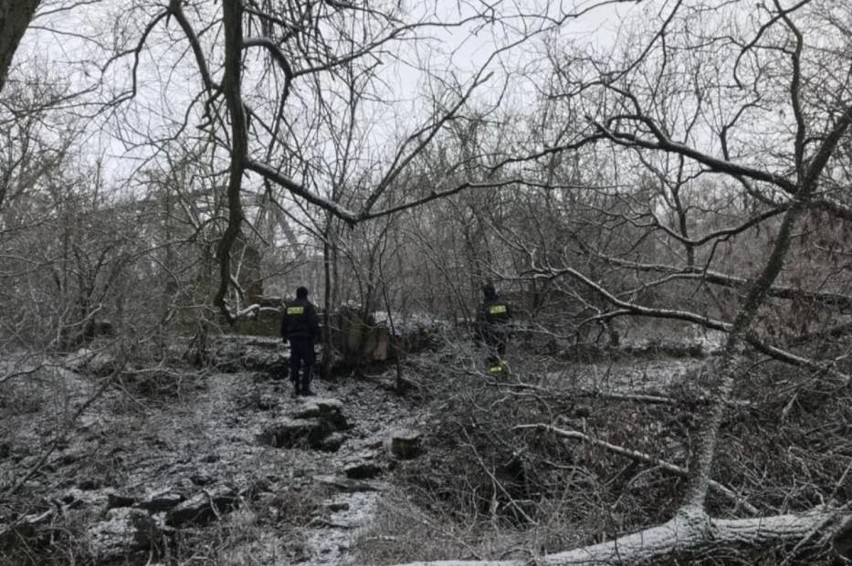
(300, 320)
(496, 310)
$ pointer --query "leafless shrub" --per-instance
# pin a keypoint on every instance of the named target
(162, 383)
(786, 451)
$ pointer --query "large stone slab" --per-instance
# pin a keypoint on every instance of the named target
(204, 507)
(314, 424)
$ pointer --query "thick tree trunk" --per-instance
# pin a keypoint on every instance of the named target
(231, 86)
(15, 17)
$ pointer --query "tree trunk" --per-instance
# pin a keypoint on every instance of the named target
(15, 17)
(329, 255)
(682, 537)
(231, 86)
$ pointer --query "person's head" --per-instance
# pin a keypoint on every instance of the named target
(302, 293)
(488, 290)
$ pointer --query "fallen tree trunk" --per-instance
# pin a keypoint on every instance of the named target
(682, 536)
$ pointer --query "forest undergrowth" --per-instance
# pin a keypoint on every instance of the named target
(560, 453)
(497, 482)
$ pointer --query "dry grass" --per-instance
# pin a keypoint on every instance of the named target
(402, 530)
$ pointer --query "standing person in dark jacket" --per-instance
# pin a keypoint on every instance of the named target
(495, 314)
(300, 326)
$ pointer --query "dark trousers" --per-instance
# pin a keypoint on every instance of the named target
(302, 360)
(496, 338)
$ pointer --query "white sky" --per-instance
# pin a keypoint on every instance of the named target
(66, 40)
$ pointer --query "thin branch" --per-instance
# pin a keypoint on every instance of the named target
(639, 457)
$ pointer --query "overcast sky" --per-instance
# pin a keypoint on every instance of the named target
(74, 43)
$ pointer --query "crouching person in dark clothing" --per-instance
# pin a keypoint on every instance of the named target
(300, 326)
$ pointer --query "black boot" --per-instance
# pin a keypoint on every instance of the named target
(306, 381)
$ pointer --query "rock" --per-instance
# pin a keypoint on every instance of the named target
(356, 338)
(295, 433)
(117, 500)
(203, 507)
(201, 478)
(332, 442)
(330, 410)
(363, 471)
(406, 444)
(316, 424)
(125, 532)
(232, 354)
(162, 501)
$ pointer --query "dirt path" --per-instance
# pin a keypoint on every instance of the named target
(286, 506)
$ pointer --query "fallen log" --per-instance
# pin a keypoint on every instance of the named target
(684, 535)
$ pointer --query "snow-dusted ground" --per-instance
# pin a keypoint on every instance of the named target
(628, 376)
(297, 505)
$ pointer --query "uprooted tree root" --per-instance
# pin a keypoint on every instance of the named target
(552, 468)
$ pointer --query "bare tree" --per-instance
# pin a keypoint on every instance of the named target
(682, 106)
(697, 172)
